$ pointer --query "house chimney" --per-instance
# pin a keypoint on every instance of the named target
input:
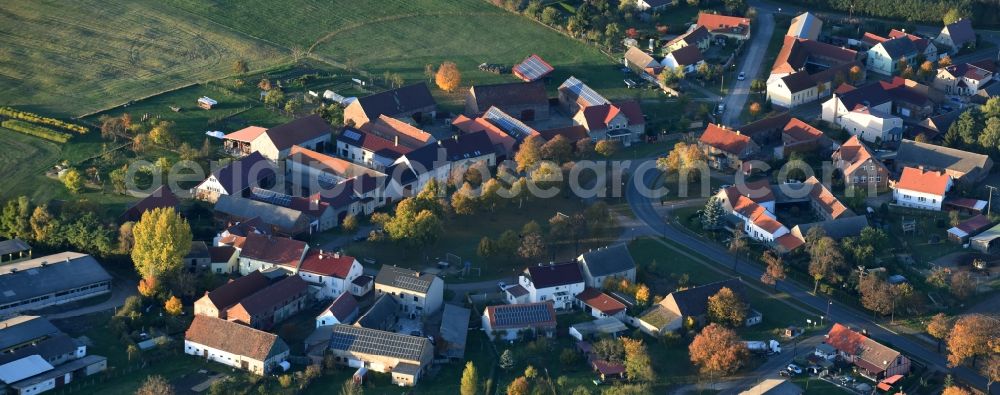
(395, 141)
(336, 254)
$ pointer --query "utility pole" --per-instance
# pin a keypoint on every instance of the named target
(990, 201)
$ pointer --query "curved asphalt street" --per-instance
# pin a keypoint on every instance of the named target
(644, 171)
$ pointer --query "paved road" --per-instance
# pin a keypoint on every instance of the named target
(641, 203)
(753, 56)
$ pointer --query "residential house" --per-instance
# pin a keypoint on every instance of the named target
(888, 56)
(279, 220)
(823, 202)
(767, 131)
(910, 99)
(407, 358)
(955, 36)
(262, 252)
(510, 321)
(198, 259)
(558, 283)
(394, 129)
(934, 127)
(962, 166)
(726, 148)
(418, 294)
(653, 5)
(504, 143)
(725, 26)
(970, 227)
(871, 358)
(697, 36)
(310, 172)
(599, 304)
(271, 305)
(845, 226)
(689, 304)
(381, 315)
(641, 62)
(253, 170)
(329, 274)
(798, 136)
(369, 149)
(343, 310)
(758, 192)
(688, 58)
(224, 259)
(526, 101)
(312, 132)
(604, 120)
(411, 172)
(216, 303)
(36, 357)
(806, 25)
(964, 79)
(925, 47)
(236, 345)
(51, 280)
(865, 112)
(317, 211)
(411, 101)
(859, 167)
(806, 70)
(759, 223)
(532, 68)
(921, 189)
(162, 197)
(607, 262)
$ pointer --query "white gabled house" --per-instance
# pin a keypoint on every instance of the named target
(555, 282)
(343, 310)
(921, 189)
(236, 345)
(329, 274)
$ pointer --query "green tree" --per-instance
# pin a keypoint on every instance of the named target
(162, 239)
(470, 380)
(825, 261)
(607, 148)
(508, 244)
(507, 360)
(711, 217)
(486, 248)
(45, 227)
(550, 16)
(965, 128)
(989, 139)
(72, 180)
(292, 106)
(638, 365)
(351, 388)
(274, 98)
(952, 16)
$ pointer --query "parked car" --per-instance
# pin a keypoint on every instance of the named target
(742, 76)
(784, 373)
(794, 369)
(722, 108)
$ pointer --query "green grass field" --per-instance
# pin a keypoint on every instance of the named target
(74, 58)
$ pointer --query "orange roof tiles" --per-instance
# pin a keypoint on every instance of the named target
(801, 131)
(327, 264)
(789, 242)
(821, 195)
(601, 301)
(246, 134)
(724, 139)
(917, 180)
(724, 23)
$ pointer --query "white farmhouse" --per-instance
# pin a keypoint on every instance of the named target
(343, 310)
(329, 274)
(236, 345)
(555, 282)
(865, 112)
(607, 262)
(921, 189)
(418, 294)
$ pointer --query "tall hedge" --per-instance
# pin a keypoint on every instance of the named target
(35, 118)
(35, 130)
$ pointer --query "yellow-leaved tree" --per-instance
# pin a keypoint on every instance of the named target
(448, 77)
(162, 239)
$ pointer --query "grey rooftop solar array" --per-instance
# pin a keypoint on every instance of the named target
(509, 124)
(533, 68)
(352, 134)
(521, 314)
(272, 197)
(376, 342)
(581, 90)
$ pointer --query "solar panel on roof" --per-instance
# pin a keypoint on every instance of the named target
(533, 68)
(513, 315)
(353, 135)
(411, 283)
(272, 197)
(509, 124)
(376, 342)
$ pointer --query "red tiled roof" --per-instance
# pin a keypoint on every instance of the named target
(246, 134)
(273, 249)
(821, 195)
(327, 264)
(856, 153)
(873, 39)
(608, 368)
(632, 111)
(725, 139)
(932, 182)
(234, 338)
(801, 131)
(723, 23)
(920, 42)
(789, 242)
(473, 125)
(869, 354)
(974, 224)
(599, 116)
(600, 301)
(796, 52)
(235, 290)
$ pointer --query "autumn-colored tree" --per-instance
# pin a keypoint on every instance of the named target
(642, 295)
(44, 227)
(264, 84)
(529, 153)
(532, 247)
(463, 201)
(962, 285)
(972, 336)
(448, 77)
(162, 239)
(240, 66)
(638, 365)
(148, 287)
(72, 180)
(944, 61)
(939, 327)
(926, 69)
(855, 74)
(775, 270)
(350, 223)
(155, 385)
(470, 380)
(727, 308)
(559, 149)
(825, 260)
(519, 386)
(991, 369)
(162, 133)
(955, 390)
(876, 295)
(754, 109)
(607, 148)
(173, 306)
(584, 147)
(717, 350)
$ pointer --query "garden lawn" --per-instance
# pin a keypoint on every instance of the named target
(74, 58)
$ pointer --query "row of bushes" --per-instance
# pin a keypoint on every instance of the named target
(35, 130)
(35, 118)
